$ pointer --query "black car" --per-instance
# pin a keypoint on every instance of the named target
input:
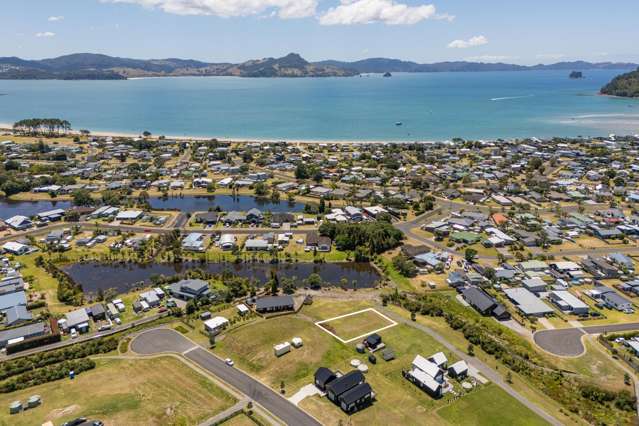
(76, 422)
(372, 359)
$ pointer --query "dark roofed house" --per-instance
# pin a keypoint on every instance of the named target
(189, 289)
(281, 218)
(356, 398)
(97, 312)
(343, 384)
(323, 376)
(479, 300)
(24, 332)
(412, 251)
(208, 218)
(16, 315)
(373, 341)
(274, 304)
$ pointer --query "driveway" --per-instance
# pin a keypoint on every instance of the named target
(567, 341)
(165, 340)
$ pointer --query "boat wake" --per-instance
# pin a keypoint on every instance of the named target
(508, 98)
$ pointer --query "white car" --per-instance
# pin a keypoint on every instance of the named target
(229, 362)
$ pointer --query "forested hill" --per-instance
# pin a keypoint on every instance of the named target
(625, 85)
(88, 66)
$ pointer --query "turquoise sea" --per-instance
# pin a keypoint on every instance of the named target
(430, 106)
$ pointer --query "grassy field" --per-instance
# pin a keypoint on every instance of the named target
(356, 325)
(520, 384)
(398, 401)
(239, 420)
(489, 406)
(161, 391)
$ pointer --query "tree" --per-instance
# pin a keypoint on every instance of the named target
(471, 349)
(82, 197)
(302, 172)
(470, 254)
(322, 205)
(404, 266)
(191, 307)
(509, 377)
(260, 189)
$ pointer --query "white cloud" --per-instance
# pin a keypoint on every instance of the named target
(471, 42)
(351, 12)
(491, 58)
(553, 56)
(55, 18)
(286, 9)
(46, 34)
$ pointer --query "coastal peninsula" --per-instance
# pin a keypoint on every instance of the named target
(625, 85)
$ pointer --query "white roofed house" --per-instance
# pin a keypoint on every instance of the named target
(566, 301)
(51, 215)
(129, 216)
(458, 370)
(194, 242)
(227, 242)
(426, 375)
(78, 319)
(215, 324)
(16, 248)
(19, 223)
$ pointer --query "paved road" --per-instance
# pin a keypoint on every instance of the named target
(567, 341)
(483, 368)
(84, 337)
(91, 226)
(164, 340)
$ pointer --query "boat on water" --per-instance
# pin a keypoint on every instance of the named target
(398, 123)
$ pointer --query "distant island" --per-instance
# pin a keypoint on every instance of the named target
(89, 66)
(576, 75)
(387, 74)
(625, 85)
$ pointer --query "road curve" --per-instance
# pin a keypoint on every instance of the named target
(163, 340)
(567, 341)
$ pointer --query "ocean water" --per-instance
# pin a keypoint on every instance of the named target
(430, 106)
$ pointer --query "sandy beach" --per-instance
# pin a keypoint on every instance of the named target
(7, 127)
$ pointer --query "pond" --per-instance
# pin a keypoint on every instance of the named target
(10, 208)
(94, 276)
(190, 204)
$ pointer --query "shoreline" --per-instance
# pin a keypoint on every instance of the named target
(7, 127)
(117, 134)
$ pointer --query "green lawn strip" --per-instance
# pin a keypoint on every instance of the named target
(487, 407)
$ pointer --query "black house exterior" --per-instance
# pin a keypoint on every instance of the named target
(343, 384)
(323, 377)
(356, 398)
(274, 304)
(373, 341)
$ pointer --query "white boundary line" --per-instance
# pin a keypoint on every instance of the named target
(392, 324)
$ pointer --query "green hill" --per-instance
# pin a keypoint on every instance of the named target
(625, 85)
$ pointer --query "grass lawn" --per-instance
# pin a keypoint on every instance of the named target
(398, 401)
(489, 406)
(356, 325)
(161, 391)
(519, 384)
(239, 420)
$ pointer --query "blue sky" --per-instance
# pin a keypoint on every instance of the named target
(515, 31)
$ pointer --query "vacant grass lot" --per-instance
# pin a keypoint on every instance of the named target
(398, 401)
(161, 391)
(487, 407)
(356, 325)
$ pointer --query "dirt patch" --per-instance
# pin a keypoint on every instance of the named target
(61, 412)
